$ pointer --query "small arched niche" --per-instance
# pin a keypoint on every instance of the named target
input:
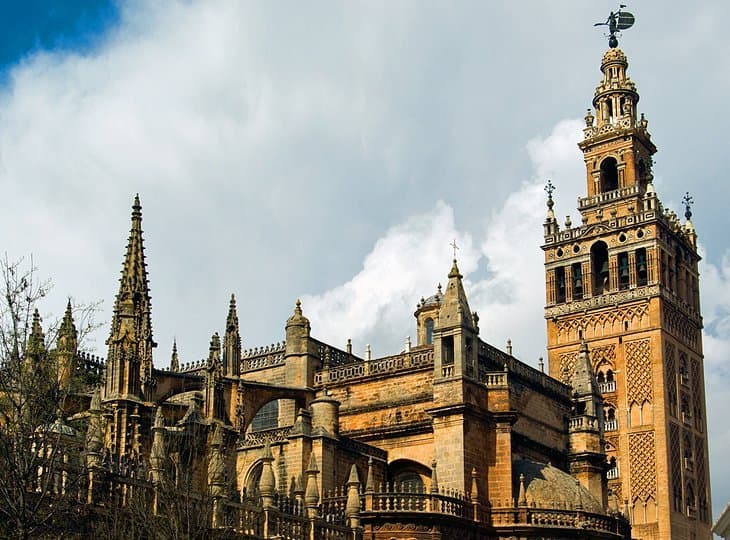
(608, 178)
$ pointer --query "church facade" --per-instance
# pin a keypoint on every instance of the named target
(451, 437)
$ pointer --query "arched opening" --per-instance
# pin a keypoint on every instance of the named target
(577, 274)
(429, 331)
(689, 497)
(409, 476)
(623, 271)
(560, 284)
(250, 491)
(610, 420)
(641, 268)
(267, 417)
(599, 263)
(609, 175)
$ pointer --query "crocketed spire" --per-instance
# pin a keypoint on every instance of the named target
(67, 334)
(232, 342)
(130, 339)
(36, 339)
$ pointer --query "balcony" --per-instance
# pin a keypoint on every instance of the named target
(612, 473)
(607, 387)
(689, 463)
(610, 425)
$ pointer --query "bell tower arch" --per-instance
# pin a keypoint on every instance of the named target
(625, 280)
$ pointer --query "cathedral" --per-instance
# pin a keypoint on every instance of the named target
(450, 437)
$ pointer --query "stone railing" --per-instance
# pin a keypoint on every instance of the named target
(192, 367)
(608, 196)
(367, 368)
(401, 499)
(492, 359)
(607, 387)
(612, 473)
(494, 379)
(334, 357)
(559, 518)
(602, 300)
(582, 422)
(260, 438)
(90, 362)
(263, 357)
(610, 425)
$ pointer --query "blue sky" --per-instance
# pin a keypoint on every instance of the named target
(333, 150)
(30, 26)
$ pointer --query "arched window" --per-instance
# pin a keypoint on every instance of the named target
(429, 331)
(408, 476)
(599, 262)
(577, 274)
(267, 417)
(609, 175)
(623, 271)
(560, 284)
(641, 270)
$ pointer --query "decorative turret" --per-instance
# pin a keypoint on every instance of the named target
(214, 405)
(455, 337)
(302, 352)
(129, 362)
(587, 457)
(232, 343)
(66, 348)
(616, 97)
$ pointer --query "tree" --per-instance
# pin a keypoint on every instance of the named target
(40, 447)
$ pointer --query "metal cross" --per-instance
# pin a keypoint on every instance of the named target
(453, 245)
(549, 188)
(688, 201)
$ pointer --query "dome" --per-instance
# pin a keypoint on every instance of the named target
(548, 486)
(433, 299)
(613, 55)
(59, 426)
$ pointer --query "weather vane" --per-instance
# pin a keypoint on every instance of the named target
(616, 22)
(688, 201)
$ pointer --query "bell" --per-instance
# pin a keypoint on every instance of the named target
(624, 272)
(642, 267)
(604, 268)
(578, 283)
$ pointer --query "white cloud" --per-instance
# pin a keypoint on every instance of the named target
(376, 305)
(408, 261)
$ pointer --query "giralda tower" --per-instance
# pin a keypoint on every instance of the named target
(625, 280)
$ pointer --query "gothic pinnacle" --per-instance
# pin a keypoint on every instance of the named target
(67, 334)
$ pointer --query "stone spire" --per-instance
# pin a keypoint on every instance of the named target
(66, 347)
(37, 339)
(130, 341)
(67, 334)
(232, 342)
(174, 359)
(455, 307)
(585, 386)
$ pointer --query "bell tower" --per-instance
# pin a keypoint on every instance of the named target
(624, 282)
